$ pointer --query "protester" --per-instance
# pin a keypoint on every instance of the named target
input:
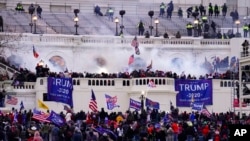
(141, 28)
(19, 7)
(39, 11)
(37, 137)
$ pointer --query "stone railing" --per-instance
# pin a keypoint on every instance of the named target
(134, 83)
(59, 39)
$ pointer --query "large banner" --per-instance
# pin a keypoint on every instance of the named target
(190, 91)
(60, 90)
(134, 104)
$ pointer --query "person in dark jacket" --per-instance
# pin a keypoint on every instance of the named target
(77, 136)
(189, 130)
(97, 10)
(202, 10)
(189, 11)
(39, 11)
(219, 35)
(213, 25)
(216, 10)
(170, 9)
(141, 28)
(180, 12)
(224, 10)
(210, 10)
(1, 24)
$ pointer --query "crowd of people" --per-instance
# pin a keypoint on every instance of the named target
(27, 76)
(204, 24)
(32, 9)
(134, 125)
(24, 75)
(145, 125)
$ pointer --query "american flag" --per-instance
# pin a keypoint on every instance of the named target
(93, 103)
(11, 100)
(205, 112)
(40, 116)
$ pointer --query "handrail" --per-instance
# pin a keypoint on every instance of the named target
(7, 68)
(98, 39)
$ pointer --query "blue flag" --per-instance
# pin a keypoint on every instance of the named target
(111, 102)
(134, 104)
(60, 90)
(56, 119)
(152, 104)
(35, 111)
(21, 106)
(101, 130)
(15, 116)
(197, 106)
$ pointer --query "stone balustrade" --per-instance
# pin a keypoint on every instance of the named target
(114, 82)
(68, 40)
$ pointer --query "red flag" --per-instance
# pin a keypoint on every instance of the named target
(236, 103)
(36, 55)
(131, 59)
(93, 103)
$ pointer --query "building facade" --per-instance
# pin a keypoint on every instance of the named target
(83, 53)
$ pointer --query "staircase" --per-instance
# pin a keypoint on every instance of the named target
(45, 28)
(6, 69)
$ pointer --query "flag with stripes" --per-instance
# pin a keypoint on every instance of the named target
(11, 100)
(93, 103)
(36, 55)
(205, 112)
(40, 116)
